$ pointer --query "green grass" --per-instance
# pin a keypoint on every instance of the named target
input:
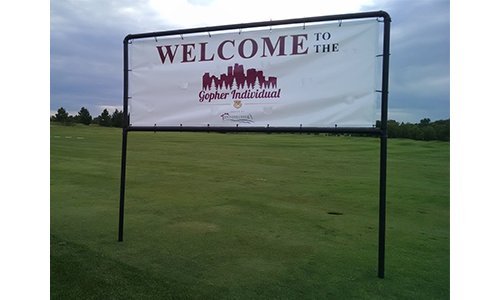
(245, 216)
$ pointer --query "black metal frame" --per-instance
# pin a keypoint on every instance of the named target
(382, 131)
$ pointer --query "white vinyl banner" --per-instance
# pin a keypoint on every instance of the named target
(308, 75)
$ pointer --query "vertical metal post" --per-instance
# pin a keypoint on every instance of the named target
(122, 185)
(383, 146)
(124, 138)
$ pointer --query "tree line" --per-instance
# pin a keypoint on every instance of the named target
(83, 117)
(425, 130)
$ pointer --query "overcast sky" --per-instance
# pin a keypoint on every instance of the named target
(86, 45)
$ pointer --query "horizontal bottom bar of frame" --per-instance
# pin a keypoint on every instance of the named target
(358, 130)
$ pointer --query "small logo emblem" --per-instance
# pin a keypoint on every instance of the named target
(237, 104)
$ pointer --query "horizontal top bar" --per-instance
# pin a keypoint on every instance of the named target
(374, 14)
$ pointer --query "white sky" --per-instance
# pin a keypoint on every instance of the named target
(217, 12)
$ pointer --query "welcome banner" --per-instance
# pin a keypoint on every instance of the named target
(311, 76)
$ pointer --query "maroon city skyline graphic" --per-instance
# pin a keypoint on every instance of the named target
(237, 75)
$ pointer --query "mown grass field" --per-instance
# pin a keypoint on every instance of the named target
(245, 216)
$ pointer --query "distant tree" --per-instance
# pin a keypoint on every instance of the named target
(105, 118)
(416, 133)
(442, 129)
(429, 133)
(73, 119)
(84, 116)
(117, 118)
(425, 122)
(392, 129)
(61, 116)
